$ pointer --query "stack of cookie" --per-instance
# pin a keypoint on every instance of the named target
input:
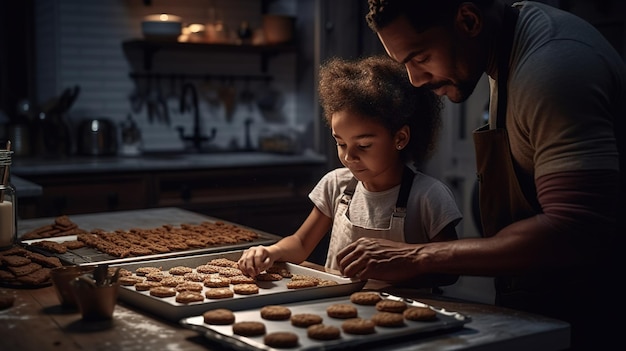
(20, 267)
(61, 226)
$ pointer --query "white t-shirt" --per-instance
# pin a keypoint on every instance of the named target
(431, 202)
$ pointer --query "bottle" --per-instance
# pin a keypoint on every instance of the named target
(8, 201)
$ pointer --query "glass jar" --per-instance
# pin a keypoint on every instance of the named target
(8, 203)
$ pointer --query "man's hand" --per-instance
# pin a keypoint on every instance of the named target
(373, 258)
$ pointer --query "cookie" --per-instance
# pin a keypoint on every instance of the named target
(162, 291)
(300, 284)
(207, 269)
(130, 280)
(189, 297)
(342, 311)
(156, 276)
(358, 326)
(419, 314)
(323, 332)
(327, 282)
(246, 289)
(369, 298)
(391, 306)
(269, 277)
(189, 286)
(223, 262)
(172, 281)
(241, 279)
(195, 277)
(14, 260)
(218, 293)
(281, 339)
(216, 282)
(275, 312)
(146, 285)
(388, 319)
(145, 270)
(249, 328)
(304, 320)
(219, 316)
(180, 270)
(229, 271)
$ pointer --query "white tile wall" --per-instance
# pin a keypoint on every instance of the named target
(80, 43)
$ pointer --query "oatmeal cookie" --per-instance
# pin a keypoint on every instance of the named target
(249, 328)
(219, 316)
(275, 312)
(358, 326)
(281, 339)
(342, 311)
(246, 289)
(162, 291)
(218, 293)
(365, 298)
(419, 314)
(304, 320)
(323, 332)
(391, 306)
(189, 297)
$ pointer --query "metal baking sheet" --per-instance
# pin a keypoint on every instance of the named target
(446, 321)
(270, 292)
(91, 256)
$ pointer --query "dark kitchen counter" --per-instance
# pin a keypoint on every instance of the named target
(159, 162)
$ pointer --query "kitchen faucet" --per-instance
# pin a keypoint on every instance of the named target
(197, 137)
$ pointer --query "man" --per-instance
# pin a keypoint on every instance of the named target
(548, 162)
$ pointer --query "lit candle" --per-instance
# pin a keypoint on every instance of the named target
(163, 17)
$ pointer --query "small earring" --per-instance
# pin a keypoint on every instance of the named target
(399, 147)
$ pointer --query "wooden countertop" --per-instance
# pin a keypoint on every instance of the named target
(37, 322)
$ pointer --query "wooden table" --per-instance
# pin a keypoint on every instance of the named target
(37, 322)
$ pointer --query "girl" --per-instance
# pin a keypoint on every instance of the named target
(381, 123)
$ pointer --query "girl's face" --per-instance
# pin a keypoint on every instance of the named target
(369, 150)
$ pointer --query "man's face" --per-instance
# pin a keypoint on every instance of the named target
(434, 59)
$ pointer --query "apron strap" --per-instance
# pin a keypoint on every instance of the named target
(504, 56)
(349, 191)
(405, 188)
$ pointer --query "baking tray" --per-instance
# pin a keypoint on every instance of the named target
(446, 321)
(270, 292)
(91, 256)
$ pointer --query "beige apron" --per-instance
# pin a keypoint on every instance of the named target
(502, 201)
(344, 232)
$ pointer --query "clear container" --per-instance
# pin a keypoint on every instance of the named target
(8, 203)
(8, 216)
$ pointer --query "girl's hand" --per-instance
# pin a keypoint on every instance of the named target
(255, 260)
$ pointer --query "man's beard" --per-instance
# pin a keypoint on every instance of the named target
(463, 90)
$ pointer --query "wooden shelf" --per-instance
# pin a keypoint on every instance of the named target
(151, 47)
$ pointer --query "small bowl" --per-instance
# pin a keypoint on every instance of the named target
(162, 27)
(61, 278)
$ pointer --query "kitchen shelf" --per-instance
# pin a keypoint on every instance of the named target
(151, 47)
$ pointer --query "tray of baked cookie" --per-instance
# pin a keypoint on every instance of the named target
(363, 317)
(179, 287)
(137, 235)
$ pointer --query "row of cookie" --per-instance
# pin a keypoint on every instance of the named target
(390, 313)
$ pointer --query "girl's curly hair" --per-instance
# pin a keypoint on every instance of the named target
(377, 87)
